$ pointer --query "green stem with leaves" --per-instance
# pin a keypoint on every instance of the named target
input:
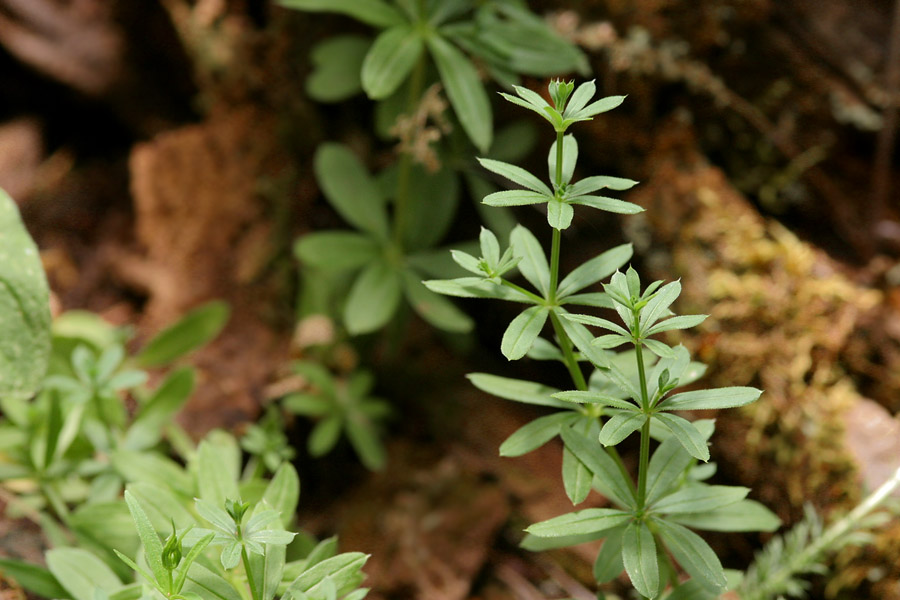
(645, 430)
(248, 571)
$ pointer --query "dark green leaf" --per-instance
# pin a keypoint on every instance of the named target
(431, 215)
(465, 90)
(639, 558)
(373, 299)
(435, 309)
(590, 520)
(336, 250)
(608, 564)
(24, 307)
(728, 397)
(350, 189)
(527, 392)
(521, 333)
(364, 439)
(324, 436)
(192, 331)
(336, 63)
(390, 60)
(692, 553)
(376, 13)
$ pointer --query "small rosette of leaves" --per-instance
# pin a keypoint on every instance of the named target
(341, 405)
(568, 106)
(525, 254)
(561, 199)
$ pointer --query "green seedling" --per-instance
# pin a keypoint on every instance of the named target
(647, 533)
(341, 405)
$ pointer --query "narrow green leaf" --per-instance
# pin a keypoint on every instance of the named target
(350, 189)
(686, 434)
(515, 198)
(570, 157)
(681, 322)
(373, 299)
(746, 515)
(34, 578)
(599, 182)
(659, 304)
(658, 348)
(429, 219)
(434, 308)
(590, 520)
(376, 13)
(161, 505)
(324, 436)
(195, 551)
(208, 584)
(596, 398)
(390, 60)
(598, 268)
(598, 322)
(336, 250)
(700, 498)
(465, 90)
(475, 287)
(667, 465)
(364, 439)
(559, 214)
(620, 427)
(603, 203)
(535, 434)
(525, 104)
(517, 390)
(80, 572)
(582, 339)
(516, 175)
(336, 63)
(343, 569)
(610, 481)
(159, 409)
(149, 540)
(692, 553)
(24, 308)
(522, 331)
(599, 106)
(581, 97)
(577, 478)
(283, 493)
(192, 331)
(533, 266)
(608, 564)
(639, 558)
(614, 340)
(728, 397)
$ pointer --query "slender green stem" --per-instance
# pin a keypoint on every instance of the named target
(559, 160)
(522, 290)
(554, 266)
(402, 200)
(248, 571)
(568, 354)
(645, 430)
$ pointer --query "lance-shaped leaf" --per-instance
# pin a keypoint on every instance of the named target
(350, 189)
(582, 339)
(728, 397)
(599, 182)
(34, 578)
(603, 203)
(686, 434)
(701, 498)
(659, 349)
(577, 478)
(336, 250)
(390, 60)
(599, 106)
(639, 558)
(475, 287)
(680, 322)
(598, 268)
(692, 553)
(533, 266)
(373, 299)
(746, 515)
(371, 12)
(515, 198)
(657, 307)
(590, 520)
(518, 390)
(465, 90)
(608, 564)
(580, 98)
(521, 333)
(516, 175)
(434, 308)
(189, 333)
(610, 481)
(620, 427)
(667, 465)
(570, 157)
(537, 433)
(81, 573)
(596, 398)
(528, 99)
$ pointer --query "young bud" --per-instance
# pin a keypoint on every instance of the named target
(171, 553)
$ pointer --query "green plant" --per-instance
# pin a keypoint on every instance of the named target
(340, 405)
(628, 392)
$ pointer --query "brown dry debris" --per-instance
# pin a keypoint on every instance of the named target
(781, 315)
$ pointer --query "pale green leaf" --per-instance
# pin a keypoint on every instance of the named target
(516, 175)
(686, 434)
(80, 572)
(336, 64)
(598, 268)
(522, 331)
(535, 434)
(603, 203)
(701, 498)
(620, 427)
(518, 390)
(639, 558)
(692, 553)
(533, 266)
(515, 198)
(390, 60)
(434, 308)
(559, 214)
(728, 397)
